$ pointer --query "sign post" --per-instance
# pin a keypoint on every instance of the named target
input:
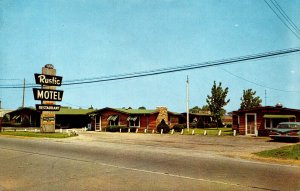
(48, 96)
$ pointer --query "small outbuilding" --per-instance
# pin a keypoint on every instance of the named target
(68, 117)
(259, 120)
(202, 119)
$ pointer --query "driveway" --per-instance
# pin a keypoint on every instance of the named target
(240, 147)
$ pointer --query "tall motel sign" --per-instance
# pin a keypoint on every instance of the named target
(48, 95)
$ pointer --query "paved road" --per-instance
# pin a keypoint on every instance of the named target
(106, 161)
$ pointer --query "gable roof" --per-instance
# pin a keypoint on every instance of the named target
(20, 110)
(266, 109)
(70, 111)
(136, 111)
(198, 114)
(132, 111)
(127, 111)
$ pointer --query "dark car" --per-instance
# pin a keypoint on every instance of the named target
(286, 131)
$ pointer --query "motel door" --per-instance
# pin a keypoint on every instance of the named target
(251, 128)
(97, 123)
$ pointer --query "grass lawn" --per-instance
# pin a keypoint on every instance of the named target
(37, 134)
(209, 131)
(287, 152)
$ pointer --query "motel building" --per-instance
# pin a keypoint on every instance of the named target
(134, 119)
(259, 120)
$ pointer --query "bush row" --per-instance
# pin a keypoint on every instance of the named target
(117, 129)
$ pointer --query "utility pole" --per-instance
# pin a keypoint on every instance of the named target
(23, 98)
(187, 105)
(265, 97)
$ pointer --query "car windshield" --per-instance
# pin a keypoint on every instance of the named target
(288, 126)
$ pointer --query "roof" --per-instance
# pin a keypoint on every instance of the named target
(4, 111)
(198, 114)
(266, 109)
(133, 111)
(62, 111)
(19, 110)
(70, 111)
(136, 111)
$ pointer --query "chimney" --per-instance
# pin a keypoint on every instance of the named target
(162, 114)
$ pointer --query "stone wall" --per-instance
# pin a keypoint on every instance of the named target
(162, 114)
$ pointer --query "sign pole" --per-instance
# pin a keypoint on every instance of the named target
(48, 117)
(48, 96)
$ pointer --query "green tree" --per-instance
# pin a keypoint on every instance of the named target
(142, 107)
(197, 109)
(205, 108)
(217, 101)
(249, 100)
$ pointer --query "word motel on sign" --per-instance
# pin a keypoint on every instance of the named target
(51, 95)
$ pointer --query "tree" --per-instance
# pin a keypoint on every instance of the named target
(197, 109)
(249, 100)
(217, 101)
(142, 107)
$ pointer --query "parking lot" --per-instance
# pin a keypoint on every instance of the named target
(240, 147)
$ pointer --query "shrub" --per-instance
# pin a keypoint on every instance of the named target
(10, 124)
(211, 125)
(179, 127)
(116, 128)
(229, 125)
(193, 124)
(164, 126)
(112, 128)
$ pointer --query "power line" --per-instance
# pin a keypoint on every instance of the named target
(261, 85)
(173, 69)
(281, 19)
(70, 104)
(10, 79)
(287, 18)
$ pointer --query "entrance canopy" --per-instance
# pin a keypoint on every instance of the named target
(279, 116)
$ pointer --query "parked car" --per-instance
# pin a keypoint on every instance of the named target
(286, 131)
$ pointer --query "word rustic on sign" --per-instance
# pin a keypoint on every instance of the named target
(48, 79)
(47, 95)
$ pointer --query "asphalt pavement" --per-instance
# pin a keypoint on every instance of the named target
(114, 161)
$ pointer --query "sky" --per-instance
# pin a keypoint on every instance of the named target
(96, 38)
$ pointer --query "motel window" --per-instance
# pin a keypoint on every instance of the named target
(113, 120)
(133, 121)
(268, 123)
